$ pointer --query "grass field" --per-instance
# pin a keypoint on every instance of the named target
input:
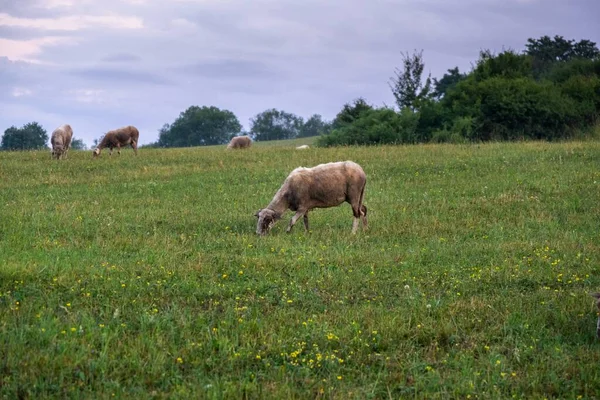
(143, 277)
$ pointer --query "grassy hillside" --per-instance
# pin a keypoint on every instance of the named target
(143, 277)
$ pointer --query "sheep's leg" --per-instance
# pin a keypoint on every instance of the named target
(356, 211)
(355, 225)
(306, 221)
(134, 147)
(119, 149)
(363, 212)
(293, 221)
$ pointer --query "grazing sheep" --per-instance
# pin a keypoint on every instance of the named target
(127, 135)
(597, 297)
(323, 186)
(61, 141)
(303, 147)
(240, 142)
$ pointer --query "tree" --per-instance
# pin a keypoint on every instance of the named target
(77, 144)
(508, 64)
(407, 86)
(375, 126)
(314, 126)
(547, 51)
(448, 81)
(31, 136)
(275, 125)
(350, 113)
(200, 126)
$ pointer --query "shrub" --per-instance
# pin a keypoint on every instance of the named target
(377, 126)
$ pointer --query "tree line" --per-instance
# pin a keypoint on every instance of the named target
(31, 136)
(205, 126)
(550, 90)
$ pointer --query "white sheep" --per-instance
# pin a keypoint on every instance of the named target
(240, 142)
(322, 186)
(61, 141)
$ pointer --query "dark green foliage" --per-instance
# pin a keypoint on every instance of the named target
(521, 108)
(507, 64)
(314, 126)
(585, 91)
(275, 125)
(407, 86)
(502, 98)
(432, 115)
(448, 81)
(547, 51)
(78, 144)
(153, 145)
(376, 126)
(29, 137)
(505, 102)
(561, 72)
(200, 126)
(461, 131)
(351, 113)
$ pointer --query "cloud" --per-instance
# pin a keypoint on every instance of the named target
(228, 69)
(122, 58)
(101, 65)
(25, 50)
(87, 95)
(74, 22)
(19, 92)
(120, 75)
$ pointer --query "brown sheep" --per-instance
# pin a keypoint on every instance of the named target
(240, 142)
(323, 186)
(61, 141)
(128, 135)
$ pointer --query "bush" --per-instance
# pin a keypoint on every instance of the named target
(515, 109)
(377, 126)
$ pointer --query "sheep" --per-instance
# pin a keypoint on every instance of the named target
(61, 141)
(597, 297)
(322, 186)
(303, 147)
(240, 142)
(127, 135)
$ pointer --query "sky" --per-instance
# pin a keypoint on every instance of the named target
(100, 65)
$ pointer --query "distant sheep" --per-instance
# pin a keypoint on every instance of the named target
(303, 147)
(240, 142)
(323, 186)
(128, 135)
(61, 141)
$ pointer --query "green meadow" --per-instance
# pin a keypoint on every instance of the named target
(142, 277)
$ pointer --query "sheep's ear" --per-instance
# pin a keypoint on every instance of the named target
(256, 214)
(596, 295)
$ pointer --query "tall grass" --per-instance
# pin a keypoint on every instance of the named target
(142, 277)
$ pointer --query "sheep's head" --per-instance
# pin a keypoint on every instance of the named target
(266, 220)
(96, 152)
(57, 152)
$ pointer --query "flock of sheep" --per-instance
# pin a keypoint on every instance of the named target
(322, 186)
(62, 136)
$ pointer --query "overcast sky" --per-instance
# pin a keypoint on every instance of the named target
(100, 65)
